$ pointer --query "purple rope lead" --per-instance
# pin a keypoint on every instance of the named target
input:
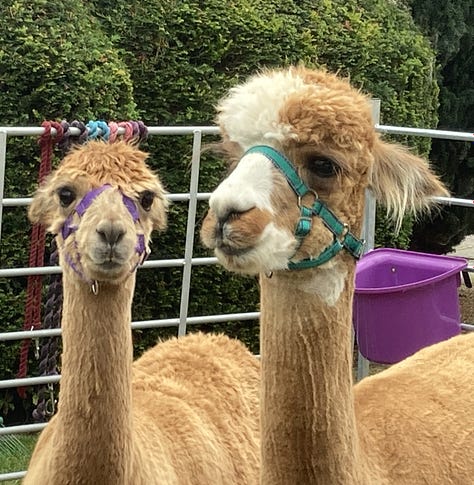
(49, 348)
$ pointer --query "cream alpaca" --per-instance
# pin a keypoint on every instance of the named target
(186, 412)
(409, 425)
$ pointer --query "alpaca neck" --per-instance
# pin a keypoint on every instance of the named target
(95, 403)
(308, 422)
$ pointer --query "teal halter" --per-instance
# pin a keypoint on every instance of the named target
(343, 238)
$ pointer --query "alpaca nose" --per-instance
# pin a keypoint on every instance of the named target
(229, 216)
(229, 202)
(110, 232)
(224, 222)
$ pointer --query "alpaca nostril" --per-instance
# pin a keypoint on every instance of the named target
(225, 219)
(110, 233)
(231, 216)
(234, 215)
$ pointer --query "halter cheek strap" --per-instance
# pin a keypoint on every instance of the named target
(140, 247)
(343, 238)
(69, 228)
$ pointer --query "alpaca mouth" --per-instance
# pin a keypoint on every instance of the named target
(110, 265)
(229, 250)
(108, 270)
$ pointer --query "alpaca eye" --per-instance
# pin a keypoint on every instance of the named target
(146, 199)
(323, 167)
(66, 196)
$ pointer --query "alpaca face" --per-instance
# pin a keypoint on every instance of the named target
(111, 249)
(324, 127)
(243, 225)
(102, 203)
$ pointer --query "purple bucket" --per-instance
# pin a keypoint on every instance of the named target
(405, 301)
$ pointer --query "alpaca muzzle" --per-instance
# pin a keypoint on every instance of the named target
(342, 237)
(69, 229)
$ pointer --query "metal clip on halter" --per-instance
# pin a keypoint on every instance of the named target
(343, 238)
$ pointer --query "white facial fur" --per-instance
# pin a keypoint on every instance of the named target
(250, 186)
(271, 253)
(328, 282)
(251, 111)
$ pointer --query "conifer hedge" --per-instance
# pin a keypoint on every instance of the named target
(168, 62)
(55, 63)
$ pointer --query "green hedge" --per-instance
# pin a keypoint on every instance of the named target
(450, 27)
(80, 60)
(55, 63)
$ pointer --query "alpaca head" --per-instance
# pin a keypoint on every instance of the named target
(324, 129)
(102, 203)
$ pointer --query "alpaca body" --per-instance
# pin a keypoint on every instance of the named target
(303, 150)
(390, 429)
(425, 398)
(186, 412)
(311, 438)
(188, 404)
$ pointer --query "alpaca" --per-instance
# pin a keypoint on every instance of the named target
(303, 150)
(186, 412)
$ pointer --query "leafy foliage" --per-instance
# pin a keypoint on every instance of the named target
(81, 59)
(450, 26)
(55, 62)
(184, 55)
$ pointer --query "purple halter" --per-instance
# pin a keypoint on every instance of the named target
(69, 228)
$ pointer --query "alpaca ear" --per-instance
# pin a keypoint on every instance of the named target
(403, 182)
(42, 207)
(160, 212)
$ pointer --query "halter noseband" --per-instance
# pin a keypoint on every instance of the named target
(69, 228)
(343, 238)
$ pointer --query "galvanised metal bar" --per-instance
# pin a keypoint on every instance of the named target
(24, 334)
(3, 158)
(455, 201)
(141, 324)
(29, 381)
(368, 234)
(24, 428)
(190, 228)
(24, 201)
(5, 477)
(154, 263)
(442, 134)
(368, 227)
(214, 130)
(225, 317)
(152, 130)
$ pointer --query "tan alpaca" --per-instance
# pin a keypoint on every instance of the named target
(412, 424)
(186, 412)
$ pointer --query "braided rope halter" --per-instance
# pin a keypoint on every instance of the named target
(69, 228)
(343, 238)
(46, 352)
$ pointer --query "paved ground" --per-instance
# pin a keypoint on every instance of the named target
(466, 295)
(466, 248)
